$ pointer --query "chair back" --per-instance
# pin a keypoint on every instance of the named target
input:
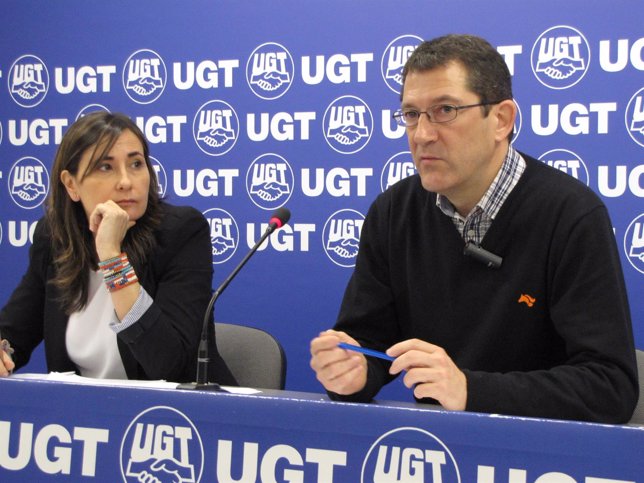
(638, 414)
(255, 358)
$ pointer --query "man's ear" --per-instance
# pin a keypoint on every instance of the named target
(70, 185)
(506, 113)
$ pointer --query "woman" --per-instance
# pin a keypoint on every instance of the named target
(118, 281)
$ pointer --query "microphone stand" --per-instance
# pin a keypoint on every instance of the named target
(203, 359)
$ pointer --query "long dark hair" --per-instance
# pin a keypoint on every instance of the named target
(73, 248)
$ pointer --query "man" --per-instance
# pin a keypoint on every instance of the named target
(543, 330)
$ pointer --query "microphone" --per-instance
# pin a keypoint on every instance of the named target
(482, 255)
(278, 219)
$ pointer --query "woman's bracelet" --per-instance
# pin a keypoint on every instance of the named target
(117, 272)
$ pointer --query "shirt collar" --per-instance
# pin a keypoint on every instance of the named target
(506, 179)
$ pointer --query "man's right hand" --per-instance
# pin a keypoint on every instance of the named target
(339, 370)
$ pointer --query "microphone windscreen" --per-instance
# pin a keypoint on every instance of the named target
(280, 217)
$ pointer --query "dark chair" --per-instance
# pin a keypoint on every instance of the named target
(254, 356)
(638, 415)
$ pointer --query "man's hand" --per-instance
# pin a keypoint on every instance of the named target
(339, 370)
(431, 372)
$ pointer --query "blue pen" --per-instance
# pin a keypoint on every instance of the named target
(369, 352)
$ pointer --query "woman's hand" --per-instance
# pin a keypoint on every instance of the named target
(109, 223)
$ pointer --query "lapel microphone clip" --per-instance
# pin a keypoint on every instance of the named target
(482, 255)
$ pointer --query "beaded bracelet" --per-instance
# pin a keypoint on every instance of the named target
(117, 272)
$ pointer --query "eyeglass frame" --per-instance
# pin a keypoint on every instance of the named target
(398, 115)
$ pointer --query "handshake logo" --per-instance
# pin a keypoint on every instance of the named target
(28, 183)
(215, 128)
(168, 452)
(348, 124)
(28, 81)
(634, 243)
(394, 58)
(560, 57)
(144, 76)
(634, 117)
(341, 237)
(224, 234)
(269, 181)
(269, 71)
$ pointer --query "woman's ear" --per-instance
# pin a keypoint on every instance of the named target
(506, 115)
(70, 185)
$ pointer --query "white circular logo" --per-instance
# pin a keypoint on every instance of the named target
(167, 451)
(409, 455)
(269, 181)
(568, 162)
(215, 128)
(634, 117)
(348, 124)
(28, 81)
(224, 234)
(91, 108)
(398, 167)
(394, 58)
(162, 178)
(269, 71)
(560, 57)
(341, 237)
(634, 243)
(144, 76)
(518, 122)
(28, 183)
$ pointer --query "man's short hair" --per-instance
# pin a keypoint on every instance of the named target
(488, 74)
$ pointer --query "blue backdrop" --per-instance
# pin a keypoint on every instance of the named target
(254, 105)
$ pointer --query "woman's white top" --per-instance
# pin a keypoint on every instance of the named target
(91, 343)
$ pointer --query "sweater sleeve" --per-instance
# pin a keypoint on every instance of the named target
(21, 319)
(367, 311)
(178, 277)
(589, 309)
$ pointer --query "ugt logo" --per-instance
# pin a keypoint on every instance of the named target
(269, 181)
(634, 117)
(409, 455)
(224, 234)
(634, 243)
(28, 81)
(144, 76)
(28, 183)
(517, 122)
(162, 178)
(394, 58)
(341, 237)
(398, 167)
(568, 162)
(155, 451)
(91, 108)
(560, 57)
(348, 124)
(269, 71)
(215, 128)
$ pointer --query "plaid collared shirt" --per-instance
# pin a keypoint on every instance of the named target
(474, 226)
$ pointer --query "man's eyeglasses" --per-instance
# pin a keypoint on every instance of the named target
(438, 114)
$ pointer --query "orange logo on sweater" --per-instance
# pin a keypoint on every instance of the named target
(527, 299)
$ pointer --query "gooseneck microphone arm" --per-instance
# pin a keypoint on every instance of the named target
(279, 218)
